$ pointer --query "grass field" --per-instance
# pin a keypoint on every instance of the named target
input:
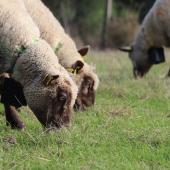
(127, 129)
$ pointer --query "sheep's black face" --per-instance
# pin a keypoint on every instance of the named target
(143, 59)
(51, 104)
(86, 95)
(140, 71)
(140, 61)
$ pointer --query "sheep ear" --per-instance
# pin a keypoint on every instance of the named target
(126, 49)
(77, 66)
(47, 80)
(156, 55)
(84, 50)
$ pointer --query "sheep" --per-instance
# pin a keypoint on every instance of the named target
(147, 48)
(65, 48)
(12, 96)
(47, 87)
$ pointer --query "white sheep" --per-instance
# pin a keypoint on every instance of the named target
(48, 89)
(147, 49)
(65, 48)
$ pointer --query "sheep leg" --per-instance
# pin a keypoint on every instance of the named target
(168, 74)
(12, 117)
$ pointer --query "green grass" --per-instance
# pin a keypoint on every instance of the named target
(127, 129)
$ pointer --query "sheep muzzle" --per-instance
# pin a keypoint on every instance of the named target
(60, 109)
(86, 95)
(56, 110)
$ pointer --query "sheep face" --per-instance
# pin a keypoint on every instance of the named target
(143, 59)
(140, 61)
(86, 94)
(87, 82)
(50, 102)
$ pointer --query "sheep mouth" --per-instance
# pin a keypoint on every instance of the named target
(58, 112)
(61, 110)
(57, 123)
(86, 95)
(83, 102)
(139, 71)
(138, 74)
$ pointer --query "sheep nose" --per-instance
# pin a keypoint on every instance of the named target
(138, 73)
(62, 96)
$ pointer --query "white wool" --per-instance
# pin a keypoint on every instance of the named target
(52, 31)
(18, 29)
(39, 59)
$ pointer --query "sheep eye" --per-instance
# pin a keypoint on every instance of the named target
(62, 96)
(88, 82)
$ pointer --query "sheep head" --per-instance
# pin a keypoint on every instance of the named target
(50, 101)
(85, 79)
(143, 59)
(48, 89)
(87, 82)
(86, 94)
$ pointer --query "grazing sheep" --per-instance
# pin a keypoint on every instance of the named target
(147, 49)
(48, 89)
(64, 47)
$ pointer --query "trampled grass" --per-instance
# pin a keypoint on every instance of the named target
(127, 129)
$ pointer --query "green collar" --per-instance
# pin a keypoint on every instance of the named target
(20, 50)
(58, 47)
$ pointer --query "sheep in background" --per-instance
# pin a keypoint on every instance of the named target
(65, 48)
(147, 49)
(48, 89)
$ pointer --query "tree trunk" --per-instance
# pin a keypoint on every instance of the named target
(107, 17)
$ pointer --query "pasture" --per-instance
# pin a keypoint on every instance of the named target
(128, 128)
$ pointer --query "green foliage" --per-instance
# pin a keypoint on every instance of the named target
(85, 18)
(128, 128)
(89, 17)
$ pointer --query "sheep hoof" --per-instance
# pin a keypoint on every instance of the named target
(12, 118)
(168, 74)
(16, 125)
